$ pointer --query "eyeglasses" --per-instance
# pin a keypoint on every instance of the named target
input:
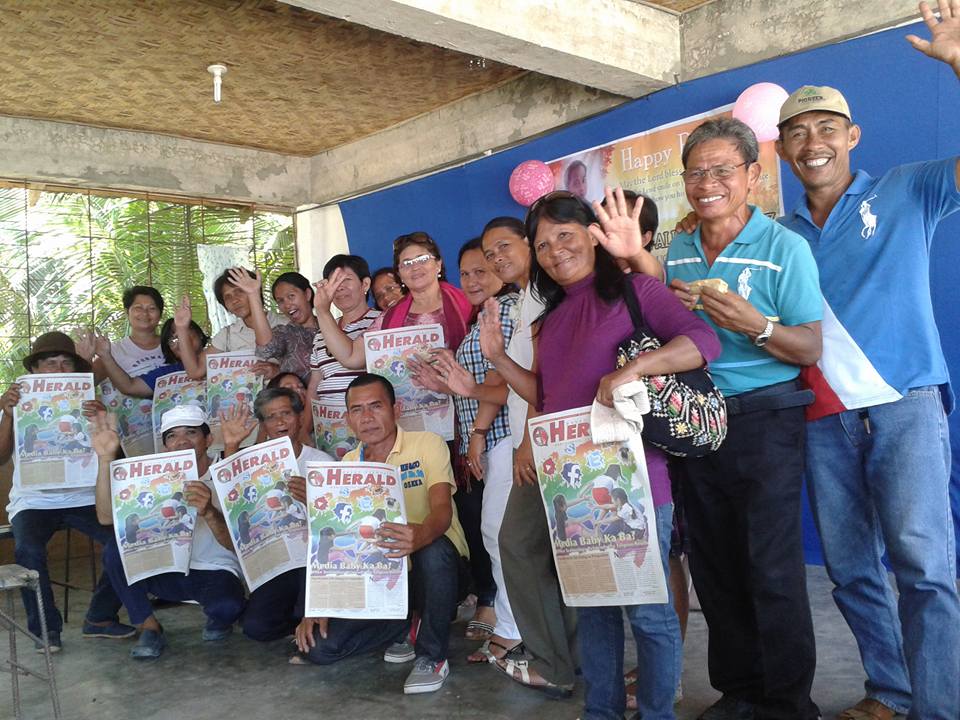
(415, 261)
(717, 172)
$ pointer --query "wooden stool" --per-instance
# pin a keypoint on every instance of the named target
(13, 578)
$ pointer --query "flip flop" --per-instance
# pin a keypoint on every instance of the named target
(519, 671)
(478, 630)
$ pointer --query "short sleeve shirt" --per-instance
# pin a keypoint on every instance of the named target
(424, 461)
(240, 336)
(334, 377)
(133, 359)
(880, 338)
(772, 268)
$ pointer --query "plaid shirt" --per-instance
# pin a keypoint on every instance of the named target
(470, 356)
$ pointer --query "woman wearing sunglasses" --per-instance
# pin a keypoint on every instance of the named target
(430, 299)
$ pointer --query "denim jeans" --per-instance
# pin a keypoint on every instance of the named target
(219, 592)
(436, 577)
(878, 479)
(32, 530)
(656, 630)
(274, 609)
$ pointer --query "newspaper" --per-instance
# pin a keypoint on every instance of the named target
(600, 511)
(330, 430)
(348, 575)
(151, 519)
(51, 434)
(268, 527)
(171, 390)
(134, 419)
(387, 352)
(231, 380)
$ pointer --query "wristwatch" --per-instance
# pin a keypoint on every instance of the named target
(761, 339)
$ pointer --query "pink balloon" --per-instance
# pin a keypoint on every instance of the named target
(759, 107)
(529, 180)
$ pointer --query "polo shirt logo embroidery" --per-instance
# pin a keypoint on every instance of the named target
(411, 475)
(743, 283)
(869, 219)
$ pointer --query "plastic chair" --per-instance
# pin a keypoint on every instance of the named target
(13, 578)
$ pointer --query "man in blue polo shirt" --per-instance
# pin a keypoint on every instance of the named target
(743, 501)
(878, 451)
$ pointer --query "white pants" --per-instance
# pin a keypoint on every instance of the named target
(497, 481)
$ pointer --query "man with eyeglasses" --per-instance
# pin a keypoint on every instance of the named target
(878, 448)
(762, 297)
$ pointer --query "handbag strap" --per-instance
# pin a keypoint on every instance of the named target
(633, 305)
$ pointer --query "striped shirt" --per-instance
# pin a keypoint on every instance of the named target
(334, 377)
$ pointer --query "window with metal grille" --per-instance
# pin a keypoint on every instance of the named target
(66, 256)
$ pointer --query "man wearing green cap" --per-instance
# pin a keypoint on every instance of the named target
(37, 514)
(878, 452)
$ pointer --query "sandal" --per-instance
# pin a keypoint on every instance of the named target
(519, 671)
(484, 654)
(867, 709)
(478, 630)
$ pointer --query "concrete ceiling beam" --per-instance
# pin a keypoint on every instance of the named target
(618, 46)
(455, 133)
(729, 34)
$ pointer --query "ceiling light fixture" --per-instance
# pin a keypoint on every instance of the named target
(218, 71)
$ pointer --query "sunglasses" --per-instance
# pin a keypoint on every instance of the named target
(415, 261)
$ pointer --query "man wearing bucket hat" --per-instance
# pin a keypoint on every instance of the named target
(37, 514)
(878, 453)
(214, 578)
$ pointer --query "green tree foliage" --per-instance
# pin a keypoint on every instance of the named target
(66, 257)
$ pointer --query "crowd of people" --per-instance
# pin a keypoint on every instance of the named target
(804, 346)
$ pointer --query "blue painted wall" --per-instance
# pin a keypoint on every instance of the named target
(907, 105)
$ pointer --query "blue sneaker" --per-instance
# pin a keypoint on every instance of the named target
(214, 634)
(150, 645)
(113, 630)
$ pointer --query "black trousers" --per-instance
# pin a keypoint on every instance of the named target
(743, 507)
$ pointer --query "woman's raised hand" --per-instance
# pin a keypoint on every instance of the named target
(619, 230)
(326, 289)
(241, 278)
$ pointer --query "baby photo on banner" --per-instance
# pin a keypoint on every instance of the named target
(649, 163)
(348, 574)
(268, 527)
(151, 518)
(387, 354)
(51, 435)
(600, 511)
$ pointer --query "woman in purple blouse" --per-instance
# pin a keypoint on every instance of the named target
(585, 319)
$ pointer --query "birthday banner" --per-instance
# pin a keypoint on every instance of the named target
(171, 391)
(134, 419)
(348, 575)
(601, 514)
(387, 353)
(330, 430)
(151, 519)
(231, 381)
(268, 527)
(52, 437)
(649, 163)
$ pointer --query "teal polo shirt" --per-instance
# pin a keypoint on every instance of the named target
(771, 267)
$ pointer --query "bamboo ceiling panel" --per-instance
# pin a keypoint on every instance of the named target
(297, 82)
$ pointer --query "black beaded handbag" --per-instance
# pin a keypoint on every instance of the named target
(688, 415)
